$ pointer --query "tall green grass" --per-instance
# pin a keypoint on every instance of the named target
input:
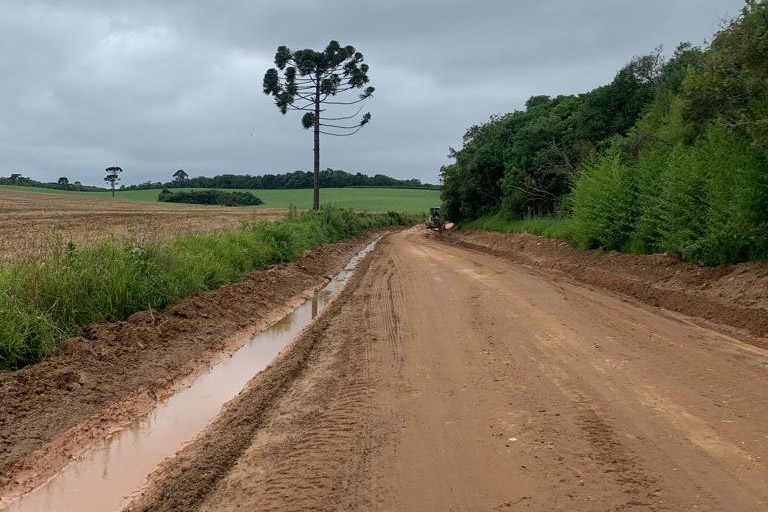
(552, 227)
(45, 301)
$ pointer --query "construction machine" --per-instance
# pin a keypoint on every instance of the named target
(435, 220)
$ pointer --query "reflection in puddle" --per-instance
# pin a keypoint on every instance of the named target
(103, 478)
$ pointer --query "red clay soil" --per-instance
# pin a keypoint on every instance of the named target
(444, 378)
(294, 401)
(54, 410)
(730, 295)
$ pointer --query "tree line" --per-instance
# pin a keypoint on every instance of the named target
(671, 156)
(329, 178)
(62, 183)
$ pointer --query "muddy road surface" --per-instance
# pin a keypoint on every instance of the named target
(444, 378)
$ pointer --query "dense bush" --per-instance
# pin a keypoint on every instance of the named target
(671, 156)
(524, 162)
(603, 203)
(707, 202)
(44, 301)
(220, 197)
(697, 159)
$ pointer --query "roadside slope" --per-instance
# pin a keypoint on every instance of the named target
(729, 295)
(448, 379)
(53, 410)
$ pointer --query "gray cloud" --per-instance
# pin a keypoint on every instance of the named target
(157, 85)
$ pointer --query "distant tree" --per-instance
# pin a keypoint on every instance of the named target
(78, 185)
(15, 177)
(180, 175)
(310, 80)
(112, 177)
(63, 182)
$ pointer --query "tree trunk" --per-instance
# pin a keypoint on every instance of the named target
(113, 189)
(316, 192)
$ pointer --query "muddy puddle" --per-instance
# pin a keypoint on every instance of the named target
(108, 476)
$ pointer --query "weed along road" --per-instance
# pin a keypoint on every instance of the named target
(444, 378)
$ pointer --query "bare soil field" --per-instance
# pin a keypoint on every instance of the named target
(454, 372)
(33, 224)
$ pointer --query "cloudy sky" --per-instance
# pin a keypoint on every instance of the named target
(153, 86)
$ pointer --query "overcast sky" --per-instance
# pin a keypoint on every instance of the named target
(153, 86)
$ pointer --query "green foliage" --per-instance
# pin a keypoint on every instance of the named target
(524, 162)
(714, 200)
(331, 178)
(112, 177)
(44, 301)
(614, 108)
(220, 197)
(670, 156)
(553, 227)
(311, 78)
(648, 173)
(180, 176)
(707, 202)
(603, 203)
(731, 87)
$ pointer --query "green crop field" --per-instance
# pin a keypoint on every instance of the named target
(367, 199)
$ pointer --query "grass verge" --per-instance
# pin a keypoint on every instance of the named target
(551, 227)
(45, 301)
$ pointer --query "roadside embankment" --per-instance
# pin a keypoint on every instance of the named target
(53, 410)
(730, 295)
(51, 299)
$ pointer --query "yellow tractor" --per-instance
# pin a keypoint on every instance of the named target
(435, 220)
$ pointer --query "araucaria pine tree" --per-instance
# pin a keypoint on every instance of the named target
(112, 177)
(308, 81)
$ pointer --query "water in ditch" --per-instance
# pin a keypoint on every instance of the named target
(105, 477)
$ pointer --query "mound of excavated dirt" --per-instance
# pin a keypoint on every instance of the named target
(53, 410)
(733, 295)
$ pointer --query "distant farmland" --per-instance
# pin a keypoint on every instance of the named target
(38, 221)
(369, 199)
(37, 224)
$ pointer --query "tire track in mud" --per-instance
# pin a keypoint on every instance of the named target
(52, 411)
(651, 291)
(299, 434)
(444, 379)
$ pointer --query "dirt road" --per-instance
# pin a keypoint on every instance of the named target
(448, 379)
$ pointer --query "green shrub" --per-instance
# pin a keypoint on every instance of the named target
(219, 197)
(706, 202)
(737, 200)
(553, 227)
(603, 202)
(648, 173)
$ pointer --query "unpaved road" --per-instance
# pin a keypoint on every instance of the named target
(447, 379)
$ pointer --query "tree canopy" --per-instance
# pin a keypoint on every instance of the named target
(671, 156)
(309, 81)
(112, 177)
(180, 175)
